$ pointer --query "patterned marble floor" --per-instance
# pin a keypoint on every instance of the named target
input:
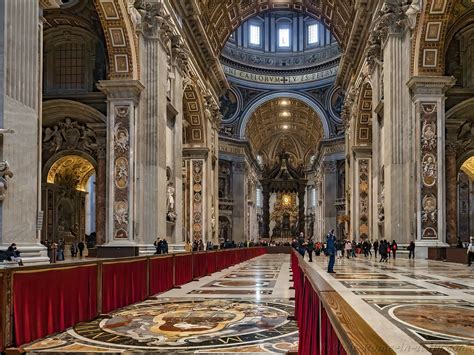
(243, 309)
(418, 307)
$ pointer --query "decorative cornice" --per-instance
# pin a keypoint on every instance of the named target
(50, 4)
(430, 85)
(121, 89)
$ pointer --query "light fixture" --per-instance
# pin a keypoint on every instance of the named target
(285, 126)
(285, 114)
(283, 102)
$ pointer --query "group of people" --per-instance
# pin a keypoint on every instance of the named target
(384, 248)
(77, 248)
(161, 246)
(12, 254)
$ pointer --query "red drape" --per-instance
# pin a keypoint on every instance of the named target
(220, 260)
(199, 265)
(50, 301)
(123, 283)
(2, 331)
(161, 274)
(183, 269)
(309, 322)
(211, 263)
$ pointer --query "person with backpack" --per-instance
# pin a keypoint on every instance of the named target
(394, 249)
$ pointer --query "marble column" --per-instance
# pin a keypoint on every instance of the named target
(122, 115)
(100, 197)
(154, 34)
(330, 195)
(397, 159)
(451, 195)
(301, 209)
(20, 122)
(428, 94)
(197, 182)
(266, 210)
(362, 188)
(238, 192)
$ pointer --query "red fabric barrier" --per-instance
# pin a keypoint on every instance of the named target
(50, 301)
(309, 342)
(220, 260)
(183, 269)
(211, 263)
(123, 283)
(199, 265)
(161, 274)
(2, 315)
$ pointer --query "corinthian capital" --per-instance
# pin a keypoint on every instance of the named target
(151, 20)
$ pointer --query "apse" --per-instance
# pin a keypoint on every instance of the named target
(285, 124)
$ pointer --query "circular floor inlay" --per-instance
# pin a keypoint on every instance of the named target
(203, 323)
(443, 319)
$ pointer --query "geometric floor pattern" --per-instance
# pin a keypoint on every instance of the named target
(243, 309)
(419, 306)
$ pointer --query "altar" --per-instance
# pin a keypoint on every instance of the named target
(284, 188)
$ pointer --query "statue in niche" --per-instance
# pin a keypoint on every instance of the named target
(4, 174)
(171, 214)
(213, 220)
(286, 221)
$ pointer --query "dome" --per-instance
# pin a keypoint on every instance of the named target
(281, 47)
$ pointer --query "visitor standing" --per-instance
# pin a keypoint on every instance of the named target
(394, 249)
(310, 248)
(348, 248)
(74, 249)
(470, 251)
(376, 248)
(81, 246)
(383, 250)
(331, 250)
(411, 250)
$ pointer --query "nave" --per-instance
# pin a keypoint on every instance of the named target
(399, 307)
(244, 308)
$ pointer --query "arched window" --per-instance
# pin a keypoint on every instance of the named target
(71, 57)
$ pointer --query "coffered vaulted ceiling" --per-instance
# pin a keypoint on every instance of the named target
(284, 124)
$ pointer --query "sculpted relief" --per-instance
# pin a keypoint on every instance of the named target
(69, 135)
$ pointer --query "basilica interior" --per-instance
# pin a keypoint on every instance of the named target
(239, 132)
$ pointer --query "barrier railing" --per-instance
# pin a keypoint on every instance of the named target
(37, 301)
(327, 323)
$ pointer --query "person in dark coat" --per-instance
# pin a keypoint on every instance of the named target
(394, 248)
(331, 251)
(376, 248)
(164, 246)
(383, 250)
(81, 246)
(411, 250)
(310, 248)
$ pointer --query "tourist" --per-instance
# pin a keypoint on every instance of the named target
(74, 249)
(310, 248)
(376, 248)
(348, 249)
(158, 245)
(81, 246)
(339, 247)
(470, 251)
(187, 246)
(331, 251)
(209, 246)
(411, 249)
(164, 246)
(394, 249)
(13, 254)
(60, 252)
(353, 249)
(389, 249)
(369, 247)
(383, 250)
(317, 250)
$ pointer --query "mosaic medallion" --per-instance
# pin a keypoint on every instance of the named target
(161, 326)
